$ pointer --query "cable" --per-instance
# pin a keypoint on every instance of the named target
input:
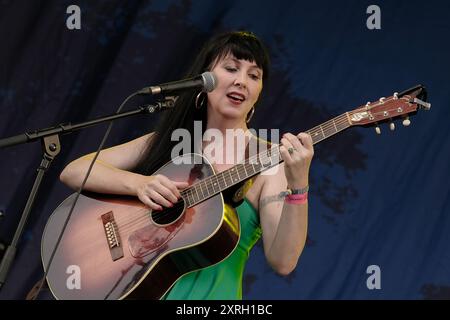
(100, 147)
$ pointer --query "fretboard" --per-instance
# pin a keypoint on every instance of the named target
(256, 164)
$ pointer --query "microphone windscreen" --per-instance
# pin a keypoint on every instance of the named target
(209, 81)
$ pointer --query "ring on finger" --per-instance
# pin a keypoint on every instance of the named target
(291, 150)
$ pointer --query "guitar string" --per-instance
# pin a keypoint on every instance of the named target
(327, 130)
(240, 169)
(144, 221)
(329, 127)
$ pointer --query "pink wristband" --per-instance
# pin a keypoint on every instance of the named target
(296, 198)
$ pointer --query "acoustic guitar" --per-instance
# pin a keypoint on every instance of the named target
(116, 247)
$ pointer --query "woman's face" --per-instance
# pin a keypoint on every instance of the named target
(238, 89)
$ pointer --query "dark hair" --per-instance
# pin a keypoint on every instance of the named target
(243, 45)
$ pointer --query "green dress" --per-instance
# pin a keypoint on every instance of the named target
(222, 281)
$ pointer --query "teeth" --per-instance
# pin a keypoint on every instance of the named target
(236, 97)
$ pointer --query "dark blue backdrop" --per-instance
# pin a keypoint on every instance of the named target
(374, 200)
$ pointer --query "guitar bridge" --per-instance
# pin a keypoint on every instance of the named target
(112, 236)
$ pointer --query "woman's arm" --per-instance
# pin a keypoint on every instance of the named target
(285, 225)
(110, 175)
(110, 172)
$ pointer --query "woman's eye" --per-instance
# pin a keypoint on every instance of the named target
(254, 76)
(231, 69)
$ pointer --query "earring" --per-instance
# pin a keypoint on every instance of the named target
(250, 115)
(200, 100)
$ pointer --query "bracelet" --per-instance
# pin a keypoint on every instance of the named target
(298, 191)
(296, 198)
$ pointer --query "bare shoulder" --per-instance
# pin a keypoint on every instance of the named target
(126, 155)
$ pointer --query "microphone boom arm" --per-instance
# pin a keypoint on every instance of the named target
(51, 148)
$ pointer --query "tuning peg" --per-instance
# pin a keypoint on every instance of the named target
(392, 126)
(395, 95)
(406, 122)
(377, 130)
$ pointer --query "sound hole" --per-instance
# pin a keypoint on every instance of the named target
(168, 215)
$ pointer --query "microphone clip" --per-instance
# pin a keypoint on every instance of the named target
(166, 103)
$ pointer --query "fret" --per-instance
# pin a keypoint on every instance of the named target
(334, 125)
(210, 186)
(201, 188)
(216, 184)
(236, 169)
(191, 195)
(246, 167)
(196, 192)
(224, 181)
(188, 197)
(253, 168)
(245, 170)
(245, 173)
(258, 168)
(314, 137)
(323, 133)
(206, 188)
(268, 160)
(343, 125)
(348, 119)
(231, 178)
(313, 133)
(264, 163)
(275, 156)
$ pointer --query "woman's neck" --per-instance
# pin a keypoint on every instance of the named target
(234, 138)
(224, 124)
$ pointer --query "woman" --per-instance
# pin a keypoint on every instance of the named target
(240, 63)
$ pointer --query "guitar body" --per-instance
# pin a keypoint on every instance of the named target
(116, 247)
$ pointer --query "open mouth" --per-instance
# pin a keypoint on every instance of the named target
(236, 97)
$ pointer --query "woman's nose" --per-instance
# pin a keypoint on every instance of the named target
(241, 80)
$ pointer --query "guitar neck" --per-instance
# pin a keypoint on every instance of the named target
(330, 128)
(262, 161)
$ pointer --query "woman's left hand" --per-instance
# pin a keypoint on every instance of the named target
(297, 152)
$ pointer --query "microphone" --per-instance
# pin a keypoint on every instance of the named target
(207, 81)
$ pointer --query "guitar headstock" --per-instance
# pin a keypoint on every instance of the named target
(398, 105)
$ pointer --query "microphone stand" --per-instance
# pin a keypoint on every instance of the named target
(51, 148)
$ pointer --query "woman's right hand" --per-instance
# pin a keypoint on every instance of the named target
(158, 190)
